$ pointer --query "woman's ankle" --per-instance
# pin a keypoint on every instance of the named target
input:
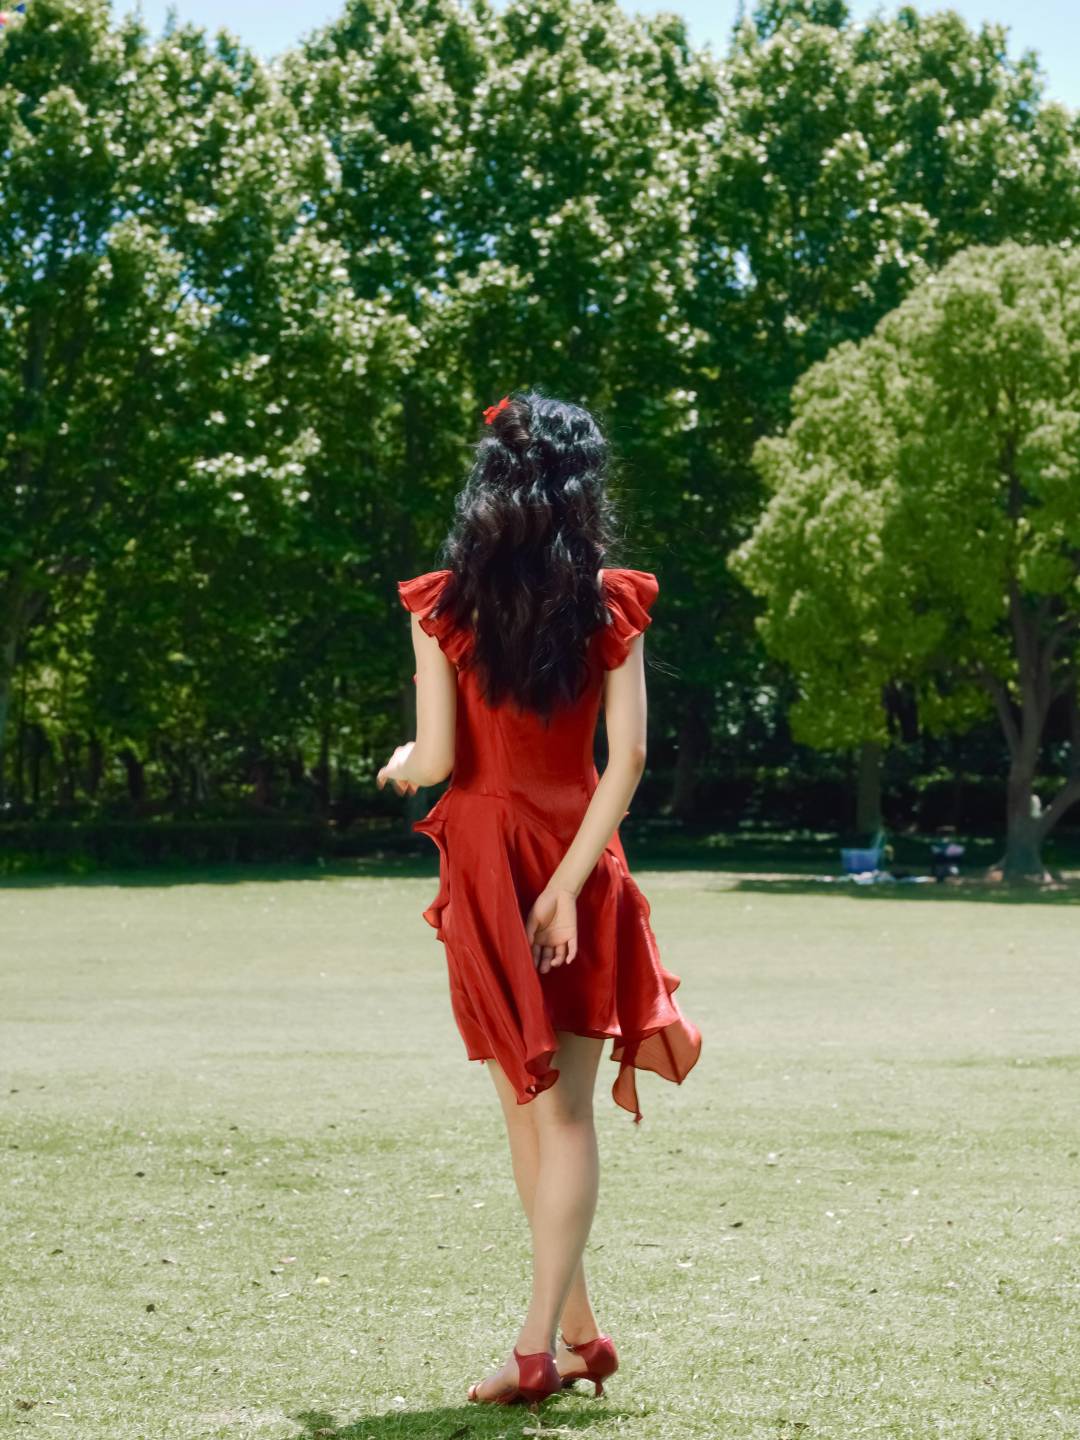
(579, 1329)
(532, 1342)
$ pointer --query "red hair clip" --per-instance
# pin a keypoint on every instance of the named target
(493, 410)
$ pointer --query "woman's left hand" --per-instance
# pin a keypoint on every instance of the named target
(551, 929)
(394, 768)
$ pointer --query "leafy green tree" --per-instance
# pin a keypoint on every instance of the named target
(93, 317)
(385, 88)
(250, 314)
(850, 163)
(593, 136)
(853, 161)
(182, 359)
(924, 522)
(520, 185)
(769, 17)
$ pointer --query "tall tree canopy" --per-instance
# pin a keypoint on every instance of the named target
(849, 163)
(169, 320)
(924, 521)
(250, 315)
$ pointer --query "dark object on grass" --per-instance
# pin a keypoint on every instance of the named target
(943, 857)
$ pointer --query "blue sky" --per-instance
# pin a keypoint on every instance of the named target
(1049, 26)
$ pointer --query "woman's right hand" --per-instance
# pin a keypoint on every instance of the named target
(551, 928)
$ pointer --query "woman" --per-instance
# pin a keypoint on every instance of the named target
(547, 937)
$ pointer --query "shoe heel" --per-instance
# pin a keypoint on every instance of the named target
(540, 1376)
(600, 1359)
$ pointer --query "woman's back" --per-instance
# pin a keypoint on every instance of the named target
(504, 750)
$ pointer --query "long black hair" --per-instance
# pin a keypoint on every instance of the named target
(533, 525)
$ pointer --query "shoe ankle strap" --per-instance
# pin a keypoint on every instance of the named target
(583, 1344)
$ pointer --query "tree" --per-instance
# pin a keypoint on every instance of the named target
(924, 522)
(593, 138)
(386, 87)
(768, 17)
(185, 374)
(249, 315)
(521, 184)
(848, 163)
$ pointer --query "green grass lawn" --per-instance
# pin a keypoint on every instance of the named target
(251, 1186)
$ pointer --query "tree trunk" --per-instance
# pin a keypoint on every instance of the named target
(693, 747)
(20, 612)
(136, 776)
(69, 767)
(40, 751)
(200, 783)
(95, 766)
(7, 685)
(956, 795)
(322, 772)
(20, 750)
(262, 777)
(868, 799)
(1025, 829)
(1027, 825)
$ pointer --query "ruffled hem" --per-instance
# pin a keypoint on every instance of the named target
(629, 595)
(617, 988)
(420, 595)
(432, 825)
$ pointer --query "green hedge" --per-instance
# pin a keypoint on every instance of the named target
(89, 844)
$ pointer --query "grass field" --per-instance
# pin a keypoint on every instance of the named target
(251, 1186)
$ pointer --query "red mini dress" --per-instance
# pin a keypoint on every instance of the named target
(516, 797)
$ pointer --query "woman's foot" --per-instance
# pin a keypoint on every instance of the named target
(594, 1359)
(570, 1364)
(502, 1382)
(527, 1378)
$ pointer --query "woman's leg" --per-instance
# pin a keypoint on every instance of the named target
(556, 1168)
(578, 1320)
(567, 1182)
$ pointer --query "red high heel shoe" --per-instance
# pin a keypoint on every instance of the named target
(600, 1361)
(538, 1378)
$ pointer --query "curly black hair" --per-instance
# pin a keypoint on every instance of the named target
(533, 525)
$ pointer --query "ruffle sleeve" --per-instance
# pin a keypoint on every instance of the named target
(629, 595)
(421, 595)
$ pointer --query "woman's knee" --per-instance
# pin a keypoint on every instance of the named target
(520, 1122)
(564, 1103)
(570, 1099)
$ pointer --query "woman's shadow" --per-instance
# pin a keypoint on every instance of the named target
(456, 1422)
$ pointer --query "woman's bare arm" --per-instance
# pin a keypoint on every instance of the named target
(429, 758)
(552, 922)
(625, 714)
(436, 708)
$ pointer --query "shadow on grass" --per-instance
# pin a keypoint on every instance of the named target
(409, 865)
(967, 891)
(795, 862)
(418, 867)
(454, 1422)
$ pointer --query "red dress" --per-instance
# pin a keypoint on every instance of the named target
(514, 803)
